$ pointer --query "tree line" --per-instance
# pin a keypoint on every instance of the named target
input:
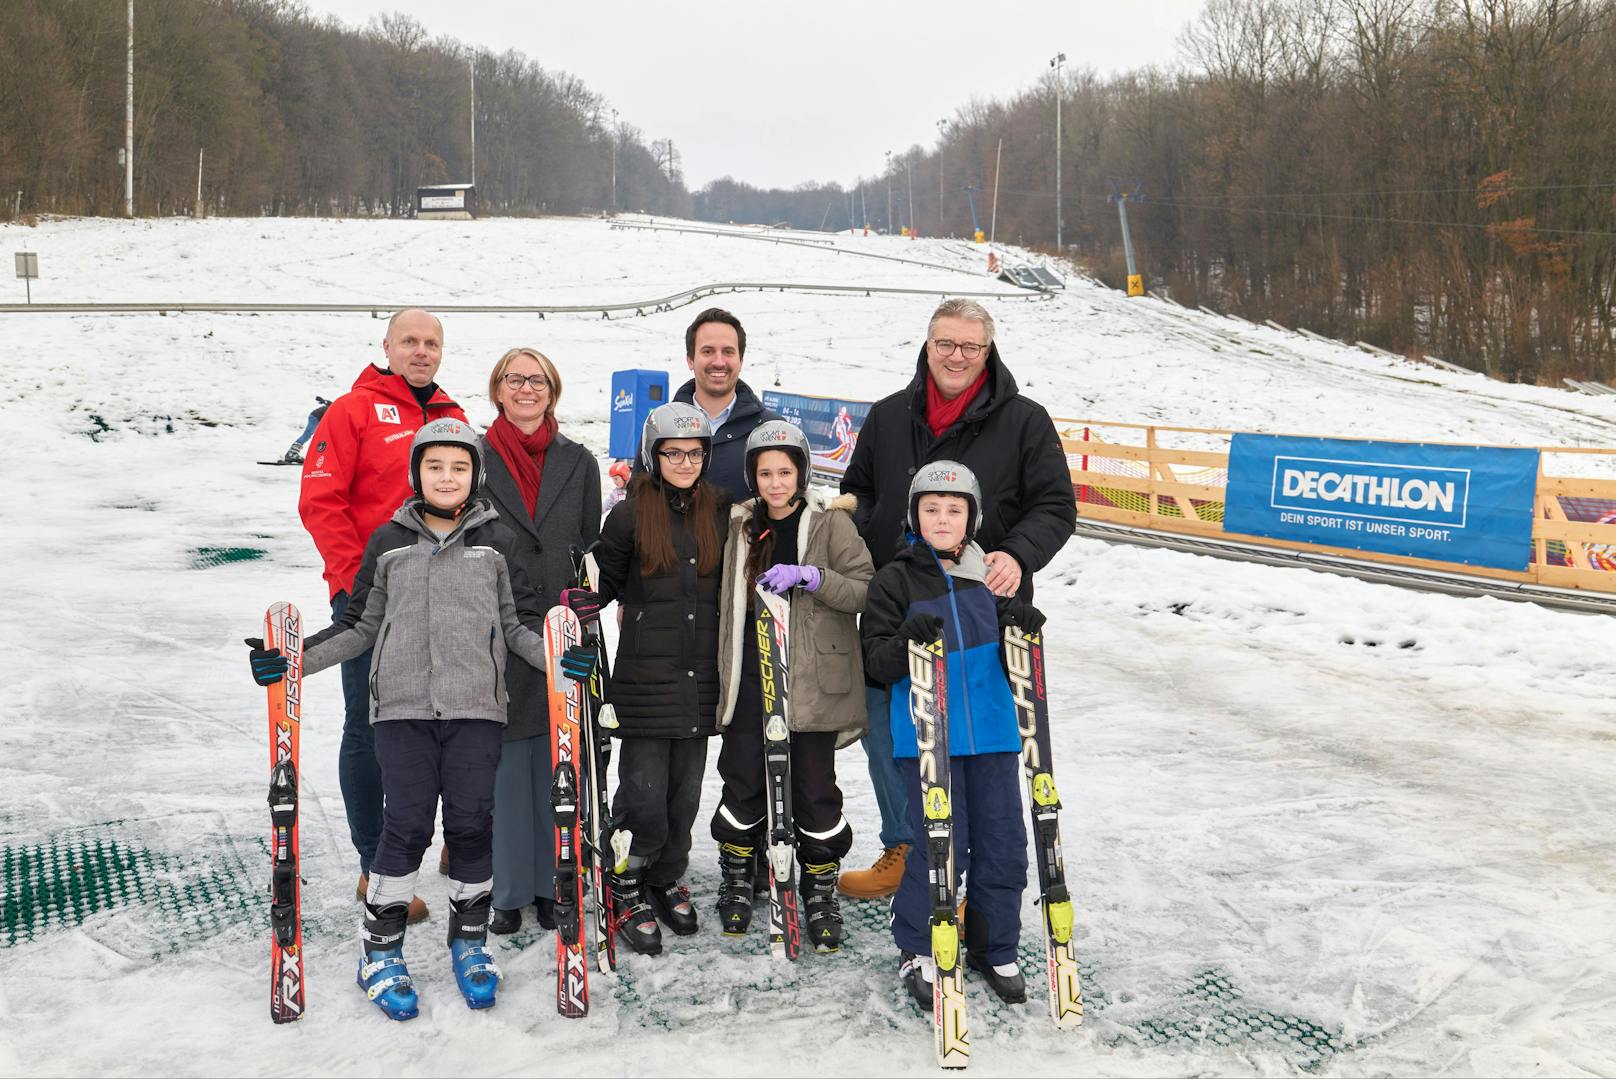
(286, 113)
(1423, 175)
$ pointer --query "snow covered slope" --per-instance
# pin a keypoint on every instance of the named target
(1312, 823)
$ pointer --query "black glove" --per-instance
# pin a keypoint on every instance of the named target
(1017, 612)
(921, 628)
(268, 665)
(578, 661)
(584, 604)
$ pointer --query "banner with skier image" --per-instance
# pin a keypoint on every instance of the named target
(1470, 505)
(831, 423)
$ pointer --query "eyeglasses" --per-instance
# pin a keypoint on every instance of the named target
(679, 457)
(516, 382)
(969, 349)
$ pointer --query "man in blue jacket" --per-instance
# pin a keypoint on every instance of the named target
(715, 347)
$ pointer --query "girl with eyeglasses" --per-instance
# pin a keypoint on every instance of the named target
(660, 555)
(546, 488)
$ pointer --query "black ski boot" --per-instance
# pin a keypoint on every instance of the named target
(673, 907)
(737, 872)
(632, 918)
(818, 890)
(1011, 988)
(912, 972)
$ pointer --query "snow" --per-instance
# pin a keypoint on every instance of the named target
(1297, 807)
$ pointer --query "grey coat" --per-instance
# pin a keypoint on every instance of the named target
(440, 616)
(567, 515)
(825, 662)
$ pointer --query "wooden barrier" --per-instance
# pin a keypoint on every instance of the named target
(1123, 473)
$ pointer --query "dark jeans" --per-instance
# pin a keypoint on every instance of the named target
(658, 794)
(892, 796)
(357, 772)
(990, 849)
(421, 760)
(823, 835)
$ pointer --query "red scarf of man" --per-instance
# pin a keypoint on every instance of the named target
(942, 414)
(523, 454)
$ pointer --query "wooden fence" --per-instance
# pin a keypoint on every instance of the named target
(1173, 479)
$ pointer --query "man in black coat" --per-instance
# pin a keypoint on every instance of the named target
(962, 405)
(715, 347)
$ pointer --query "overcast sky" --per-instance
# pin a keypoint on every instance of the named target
(777, 93)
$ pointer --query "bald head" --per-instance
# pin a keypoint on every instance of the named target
(414, 346)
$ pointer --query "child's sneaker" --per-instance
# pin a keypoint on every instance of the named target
(1004, 979)
(382, 973)
(917, 973)
(474, 969)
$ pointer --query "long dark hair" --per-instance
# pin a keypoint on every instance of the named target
(760, 549)
(653, 525)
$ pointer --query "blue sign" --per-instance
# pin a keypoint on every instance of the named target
(634, 394)
(831, 423)
(1464, 504)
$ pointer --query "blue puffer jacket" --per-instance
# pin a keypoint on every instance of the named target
(981, 709)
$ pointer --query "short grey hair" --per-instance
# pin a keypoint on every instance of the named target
(969, 310)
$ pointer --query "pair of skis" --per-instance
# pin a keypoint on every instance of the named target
(580, 725)
(1023, 655)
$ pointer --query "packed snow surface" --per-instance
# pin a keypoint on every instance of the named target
(1311, 824)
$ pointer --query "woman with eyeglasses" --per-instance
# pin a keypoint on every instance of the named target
(546, 489)
(661, 552)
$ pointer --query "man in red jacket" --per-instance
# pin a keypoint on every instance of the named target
(355, 475)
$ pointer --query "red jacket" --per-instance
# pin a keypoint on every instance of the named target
(356, 472)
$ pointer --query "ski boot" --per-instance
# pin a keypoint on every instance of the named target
(382, 973)
(917, 973)
(737, 872)
(474, 969)
(632, 917)
(1004, 979)
(817, 888)
(673, 908)
(293, 455)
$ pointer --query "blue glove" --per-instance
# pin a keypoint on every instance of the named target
(268, 665)
(578, 662)
(782, 579)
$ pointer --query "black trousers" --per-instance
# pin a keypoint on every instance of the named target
(823, 834)
(658, 794)
(422, 759)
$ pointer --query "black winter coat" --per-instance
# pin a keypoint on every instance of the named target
(727, 469)
(1007, 440)
(568, 513)
(664, 682)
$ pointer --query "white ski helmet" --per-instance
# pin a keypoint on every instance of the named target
(676, 419)
(946, 478)
(780, 435)
(448, 433)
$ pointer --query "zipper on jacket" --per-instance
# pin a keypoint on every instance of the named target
(376, 670)
(494, 663)
(959, 631)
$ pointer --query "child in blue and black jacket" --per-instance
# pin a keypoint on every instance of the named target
(935, 588)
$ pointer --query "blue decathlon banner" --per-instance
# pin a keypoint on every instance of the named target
(831, 423)
(1464, 504)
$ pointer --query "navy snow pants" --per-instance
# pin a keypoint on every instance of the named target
(421, 760)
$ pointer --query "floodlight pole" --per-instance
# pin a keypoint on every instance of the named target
(129, 121)
(1057, 63)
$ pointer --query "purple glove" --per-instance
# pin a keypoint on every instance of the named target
(780, 579)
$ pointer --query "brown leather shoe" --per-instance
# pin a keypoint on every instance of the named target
(418, 911)
(878, 881)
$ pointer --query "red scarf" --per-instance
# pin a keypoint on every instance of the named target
(941, 414)
(523, 454)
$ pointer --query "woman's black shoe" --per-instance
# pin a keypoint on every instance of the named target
(505, 922)
(544, 912)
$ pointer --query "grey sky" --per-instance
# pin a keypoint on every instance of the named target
(780, 93)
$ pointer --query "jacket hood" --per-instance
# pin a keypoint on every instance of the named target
(747, 403)
(379, 380)
(971, 564)
(818, 502)
(1000, 390)
(409, 516)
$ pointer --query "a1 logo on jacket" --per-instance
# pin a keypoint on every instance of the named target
(387, 413)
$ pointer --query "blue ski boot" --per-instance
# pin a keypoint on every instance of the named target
(382, 973)
(474, 969)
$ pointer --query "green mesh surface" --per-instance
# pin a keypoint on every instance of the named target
(207, 557)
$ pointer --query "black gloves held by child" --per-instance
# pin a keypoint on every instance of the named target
(1017, 612)
(921, 628)
(268, 665)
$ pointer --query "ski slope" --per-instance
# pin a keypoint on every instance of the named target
(1312, 824)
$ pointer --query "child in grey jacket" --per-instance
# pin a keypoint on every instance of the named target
(440, 601)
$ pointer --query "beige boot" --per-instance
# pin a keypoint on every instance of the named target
(878, 881)
(418, 911)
